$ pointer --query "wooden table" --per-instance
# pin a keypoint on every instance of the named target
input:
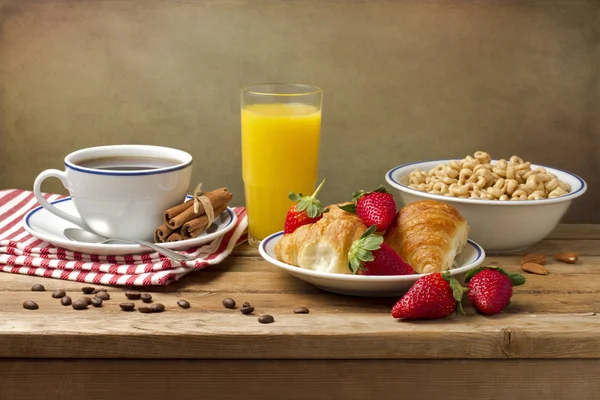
(546, 345)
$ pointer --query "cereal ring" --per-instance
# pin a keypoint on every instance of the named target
(516, 160)
(483, 157)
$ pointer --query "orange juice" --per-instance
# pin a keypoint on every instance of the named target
(280, 148)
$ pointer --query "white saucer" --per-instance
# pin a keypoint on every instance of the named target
(369, 286)
(48, 227)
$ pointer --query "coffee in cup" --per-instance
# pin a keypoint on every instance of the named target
(121, 191)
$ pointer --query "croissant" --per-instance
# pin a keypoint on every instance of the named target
(428, 235)
(322, 246)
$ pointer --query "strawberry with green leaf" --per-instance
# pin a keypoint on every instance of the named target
(373, 208)
(435, 295)
(306, 210)
(490, 288)
(368, 255)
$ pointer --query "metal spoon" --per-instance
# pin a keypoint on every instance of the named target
(80, 235)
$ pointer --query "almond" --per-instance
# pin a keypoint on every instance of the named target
(566, 257)
(534, 268)
(533, 258)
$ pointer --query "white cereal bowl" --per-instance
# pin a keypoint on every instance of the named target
(498, 226)
(366, 286)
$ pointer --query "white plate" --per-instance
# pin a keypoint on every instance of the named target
(360, 285)
(48, 227)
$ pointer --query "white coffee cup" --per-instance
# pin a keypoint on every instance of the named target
(125, 204)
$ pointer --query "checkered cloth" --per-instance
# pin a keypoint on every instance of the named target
(22, 253)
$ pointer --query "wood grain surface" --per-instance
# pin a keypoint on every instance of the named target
(299, 379)
(551, 316)
(547, 340)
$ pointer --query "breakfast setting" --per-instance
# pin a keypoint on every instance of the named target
(299, 200)
(420, 241)
(132, 219)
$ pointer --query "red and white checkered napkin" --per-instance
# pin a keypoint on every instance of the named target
(22, 253)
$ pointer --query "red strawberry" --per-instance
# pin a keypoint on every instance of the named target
(370, 256)
(435, 295)
(490, 288)
(373, 208)
(307, 210)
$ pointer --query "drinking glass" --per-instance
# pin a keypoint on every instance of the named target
(281, 128)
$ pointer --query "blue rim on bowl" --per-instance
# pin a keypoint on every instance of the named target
(262, 248)
(389, 177)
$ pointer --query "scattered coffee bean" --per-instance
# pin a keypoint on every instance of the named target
(183, 304)
(30, 305)
(145, 310)
(132, 295)
(301, 310)
(87, 290)
(146, 297)
(59, 294)
(247, 309)
(80, 304)
(103, 295)
(157, 307)
(87, 299)
(65, 301)
(38, 288)
(266, 319)
(97, 302)
(229, 303)
(127, 306)
(97, 290)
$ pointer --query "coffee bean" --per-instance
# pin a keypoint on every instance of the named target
(59, 294)
(157, 307)
(87, 290)
(80, 304)
(97, 290)
(133, 295)
(103, 295)
(246, 304)
(97, 302)
(146, 297)
(87, 299)
(183, 304)
(266, 319)
(247, 310)
(145, 310)
(127, 306)
(229, 303)
(65, 301)
(301, 310)
(38, 288)
(30, 305)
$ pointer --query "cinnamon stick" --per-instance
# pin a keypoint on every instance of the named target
(174, 237)
(201, 223)
(176, 210)
(217, 198)
(162, 233)
(196, 233)
(196, 226)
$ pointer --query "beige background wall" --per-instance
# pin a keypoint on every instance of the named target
(403, 80)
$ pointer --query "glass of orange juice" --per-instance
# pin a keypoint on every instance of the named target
(281, 127)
